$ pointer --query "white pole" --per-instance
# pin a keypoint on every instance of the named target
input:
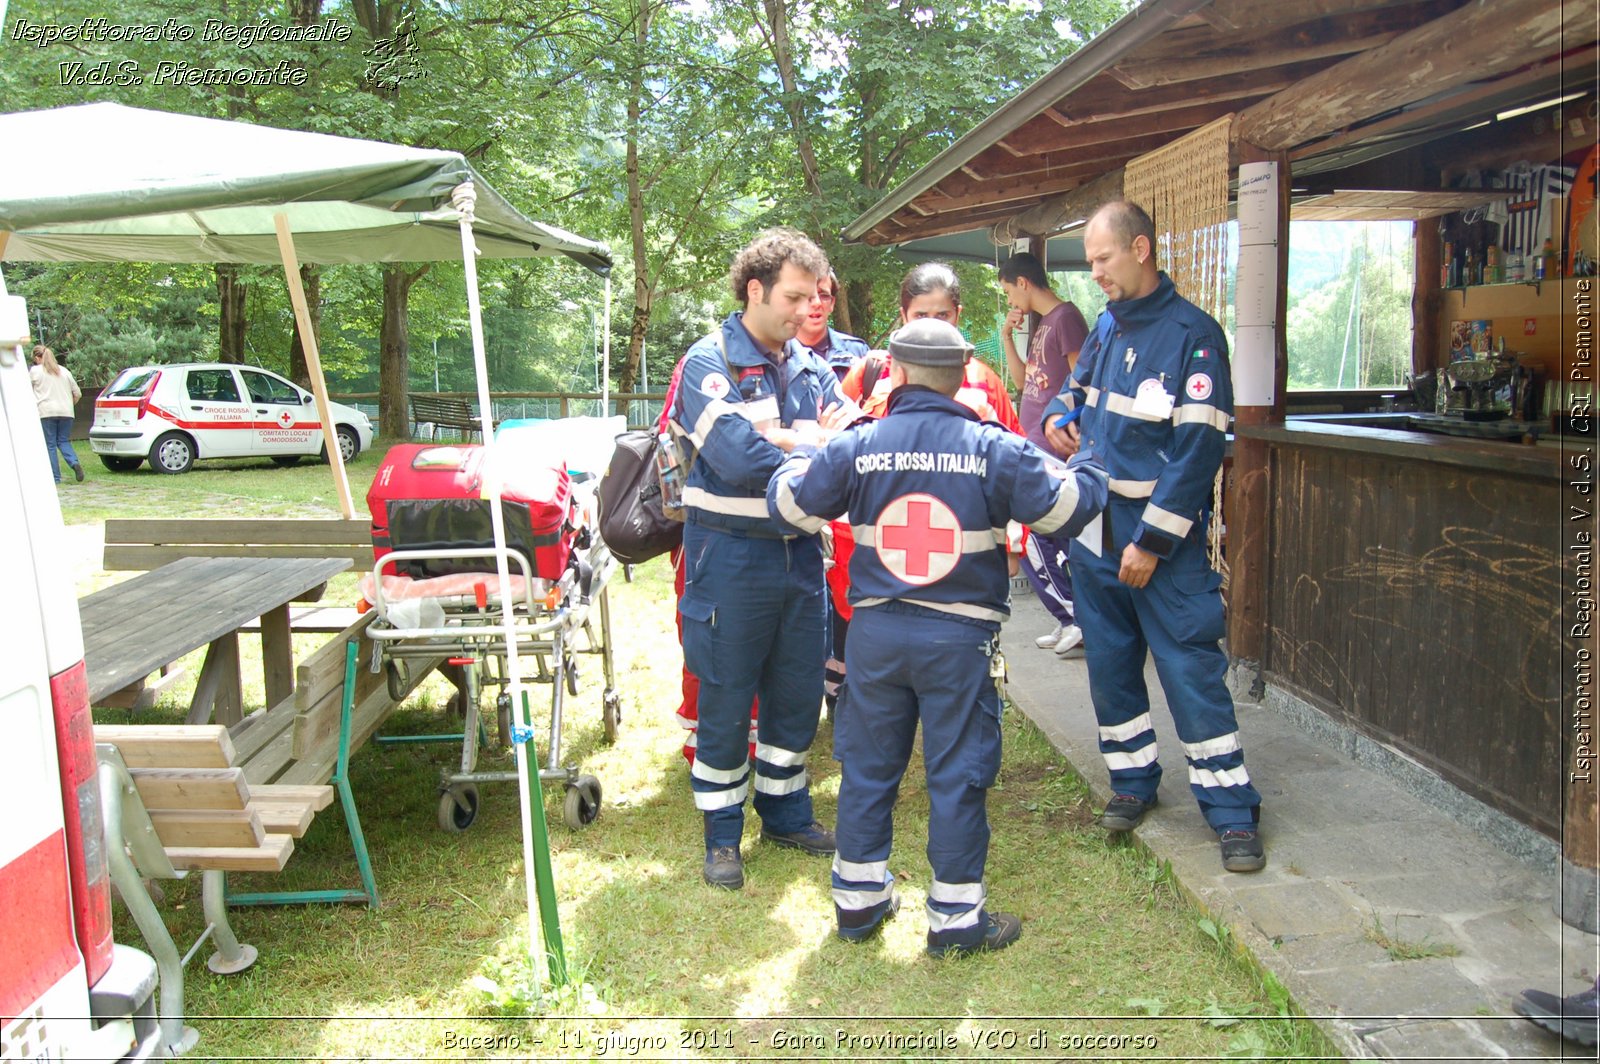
(605, 362)
(464, 197)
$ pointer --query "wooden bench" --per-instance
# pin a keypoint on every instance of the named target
(182, 798)
(141, 543)
(445, 411)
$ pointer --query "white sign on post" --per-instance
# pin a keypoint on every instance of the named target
(1256, 293)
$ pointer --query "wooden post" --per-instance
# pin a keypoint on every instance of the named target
(308, 341)
(1425, 298)
(1260, 370)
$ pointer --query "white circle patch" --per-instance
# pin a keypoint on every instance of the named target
(1198, 386)
(918, 538)
(715, 385)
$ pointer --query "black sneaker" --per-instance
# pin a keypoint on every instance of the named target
(1573, 1018)
(1003, 930)
(813, 839)
(1242, 852)
(861, 934)
(1124, 812)
(724, 867)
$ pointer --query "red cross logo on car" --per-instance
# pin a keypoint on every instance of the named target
(285, 418)
(919, 538)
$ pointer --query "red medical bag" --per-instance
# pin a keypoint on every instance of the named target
(430, 497)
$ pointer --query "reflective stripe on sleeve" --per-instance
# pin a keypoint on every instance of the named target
(713, 409)
(1131, 489)
(790, 510)
(1065, 506)
(1167, 521)
(734, 506)
(1201, 414)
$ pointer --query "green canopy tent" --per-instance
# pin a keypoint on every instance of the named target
(123, 184)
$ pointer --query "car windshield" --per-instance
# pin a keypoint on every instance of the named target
(132, 382)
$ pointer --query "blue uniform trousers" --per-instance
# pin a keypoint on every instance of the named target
(754, 623)
(1178, 618)
(903, 666)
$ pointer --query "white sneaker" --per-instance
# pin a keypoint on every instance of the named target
(1071, 643)
(1049, 639)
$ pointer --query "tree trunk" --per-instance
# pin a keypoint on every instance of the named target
(231, 292)
(311, 280)
(394, 354)
(783, 56)
(641, 257)
(854, 311)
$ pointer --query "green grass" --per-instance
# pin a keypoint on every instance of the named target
(1110, 948)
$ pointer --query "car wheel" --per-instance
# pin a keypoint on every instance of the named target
(172, 453)
(349, 443)
(285, 459)
(120, 465)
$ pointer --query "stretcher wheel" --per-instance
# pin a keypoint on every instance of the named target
(571, 671)
(611, 716)
(583, 802)
(398, 677)
(458, 808)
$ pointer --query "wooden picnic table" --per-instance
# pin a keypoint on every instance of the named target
(144, 624)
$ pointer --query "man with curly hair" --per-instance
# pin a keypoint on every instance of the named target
(753, 605)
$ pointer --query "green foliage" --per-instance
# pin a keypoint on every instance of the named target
(1350, 329)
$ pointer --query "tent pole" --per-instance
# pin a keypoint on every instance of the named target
(308, 340)
(605, 375)
(464, 198)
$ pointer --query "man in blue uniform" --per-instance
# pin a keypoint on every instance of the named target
(1153, 390)
(929, 489)
(753, 603)
(838, 349)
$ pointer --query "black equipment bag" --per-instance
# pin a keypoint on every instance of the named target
(632, 521)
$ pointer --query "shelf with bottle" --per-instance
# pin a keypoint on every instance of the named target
(1536, 285)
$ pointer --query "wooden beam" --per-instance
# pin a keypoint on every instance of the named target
(1331, 29)
(940, 225)
(1103, 100)
(1255, 15)
(1055, 214)
(1072, 134)
(1475, 42)
(991, 193)
(1092, 157)
(1151, 73)
(1473, 100)
(1425, 346)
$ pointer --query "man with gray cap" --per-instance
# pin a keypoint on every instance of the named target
(929, 489)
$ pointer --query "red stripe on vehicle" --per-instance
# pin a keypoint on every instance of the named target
(184, 424)
(36, 945)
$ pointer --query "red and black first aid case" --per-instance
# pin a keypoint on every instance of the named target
(428, 497)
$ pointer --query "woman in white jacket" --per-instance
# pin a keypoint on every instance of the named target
(55, 391)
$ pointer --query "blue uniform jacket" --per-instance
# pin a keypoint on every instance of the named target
(720, 398)
(1156, 396)
(843, 351)
(929, 489)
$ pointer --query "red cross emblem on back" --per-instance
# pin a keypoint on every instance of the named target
(919, 538)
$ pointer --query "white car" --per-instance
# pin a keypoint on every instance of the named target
(179, 414)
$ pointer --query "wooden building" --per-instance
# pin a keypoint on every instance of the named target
(1424, 590)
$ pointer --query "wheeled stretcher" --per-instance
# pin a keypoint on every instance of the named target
(437, 595)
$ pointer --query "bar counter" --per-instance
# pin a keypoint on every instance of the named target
(1413, 593)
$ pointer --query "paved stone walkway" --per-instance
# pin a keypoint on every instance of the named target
(1348, 853)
